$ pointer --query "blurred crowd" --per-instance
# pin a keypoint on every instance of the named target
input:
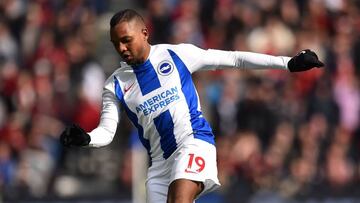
(278, 134)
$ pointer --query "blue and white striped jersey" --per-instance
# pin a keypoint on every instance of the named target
(160, 98)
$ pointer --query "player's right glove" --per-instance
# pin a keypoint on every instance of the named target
(304, 60)
(74, 135)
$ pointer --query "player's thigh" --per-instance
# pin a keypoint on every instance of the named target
(158, 181)
(156, 191)
(184, 191)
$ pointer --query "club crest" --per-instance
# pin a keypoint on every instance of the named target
(165, 68)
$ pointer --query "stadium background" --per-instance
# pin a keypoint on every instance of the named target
(281, 137)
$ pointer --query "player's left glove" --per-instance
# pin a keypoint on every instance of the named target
(303, 61)
(74, 135)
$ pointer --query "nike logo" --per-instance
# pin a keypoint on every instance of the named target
(126, 89)
(188, 171)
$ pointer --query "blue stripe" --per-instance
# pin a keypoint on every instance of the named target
(146, 77)
(165, 127)
(132, 116)
(200, 126)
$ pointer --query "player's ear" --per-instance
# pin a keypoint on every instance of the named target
(145, 32)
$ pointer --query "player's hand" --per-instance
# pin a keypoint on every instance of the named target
(303, 61)
(74, 135)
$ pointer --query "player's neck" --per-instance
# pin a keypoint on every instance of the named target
(144, 56)
(146, 52)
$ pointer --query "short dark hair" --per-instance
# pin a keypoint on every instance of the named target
(125, 15)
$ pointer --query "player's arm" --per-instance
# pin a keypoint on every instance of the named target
(104, 133)
(74, 135)
(201, 59)
(303, 61)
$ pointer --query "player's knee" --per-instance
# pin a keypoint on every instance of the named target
(179, 199)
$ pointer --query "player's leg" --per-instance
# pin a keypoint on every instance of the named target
(157, 183)
(184, 191)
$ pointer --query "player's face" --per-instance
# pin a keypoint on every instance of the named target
(130, 41)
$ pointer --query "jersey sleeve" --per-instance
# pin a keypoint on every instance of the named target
(104, 133)
(201, 59)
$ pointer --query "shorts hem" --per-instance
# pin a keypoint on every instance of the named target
(209, 184)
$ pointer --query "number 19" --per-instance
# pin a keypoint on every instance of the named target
(199, 161)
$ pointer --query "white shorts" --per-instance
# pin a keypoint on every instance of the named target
(194, 160)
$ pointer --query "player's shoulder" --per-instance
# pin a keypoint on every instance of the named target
(182, 47)
(120, 74)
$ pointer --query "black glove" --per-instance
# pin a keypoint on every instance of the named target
(303, 61)
(74, 135)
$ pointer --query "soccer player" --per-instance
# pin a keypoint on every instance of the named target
(154, 86)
